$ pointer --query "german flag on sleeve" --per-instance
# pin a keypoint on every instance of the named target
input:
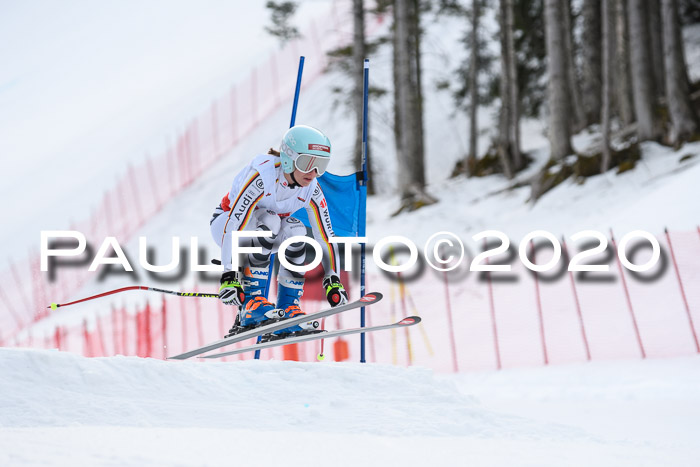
(242, 209)
(324, 234)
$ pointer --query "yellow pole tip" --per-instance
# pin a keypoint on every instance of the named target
(54, 306)
(320, 357)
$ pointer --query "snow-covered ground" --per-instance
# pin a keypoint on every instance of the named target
(61, 409)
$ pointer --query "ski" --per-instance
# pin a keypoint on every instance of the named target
(368, 299)
(410, 321)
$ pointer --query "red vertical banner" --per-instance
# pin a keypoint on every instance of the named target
(291, 352)
(139, 334)
(58, 341)
(341, 352)
(125, 331)
(147, 331)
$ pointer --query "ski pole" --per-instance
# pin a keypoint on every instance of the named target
(53, 306)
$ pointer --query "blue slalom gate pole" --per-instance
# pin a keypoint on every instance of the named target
(296, 92)
(363, 203)
(291, 124)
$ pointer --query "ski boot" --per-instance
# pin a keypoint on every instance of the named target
(288, 299)
(256, 309)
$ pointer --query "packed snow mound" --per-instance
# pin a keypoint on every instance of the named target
(50, 388)
(62, 409)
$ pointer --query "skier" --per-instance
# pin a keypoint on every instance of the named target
(263, 197)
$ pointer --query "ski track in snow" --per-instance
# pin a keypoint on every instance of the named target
(63, 409)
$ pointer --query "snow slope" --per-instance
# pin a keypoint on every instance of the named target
(125, 410)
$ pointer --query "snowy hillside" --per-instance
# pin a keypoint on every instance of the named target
(127, 411)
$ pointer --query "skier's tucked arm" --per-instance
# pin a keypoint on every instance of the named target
(320, 220)
(241, 205)
(240, 209)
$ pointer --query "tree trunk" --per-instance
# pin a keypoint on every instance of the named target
(473, 90)
(578, 117)
(558, 89)
(591, 60)
(623, 80)
(416, 84)
(608, 30)
(656, 48)
(397, 89)
(504, 147)
(642, 77)
(358, 58)
(408, 108)
(684, 121)
(514, 114)
(402, 78)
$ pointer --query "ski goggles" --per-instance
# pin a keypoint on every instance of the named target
(306, 163)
